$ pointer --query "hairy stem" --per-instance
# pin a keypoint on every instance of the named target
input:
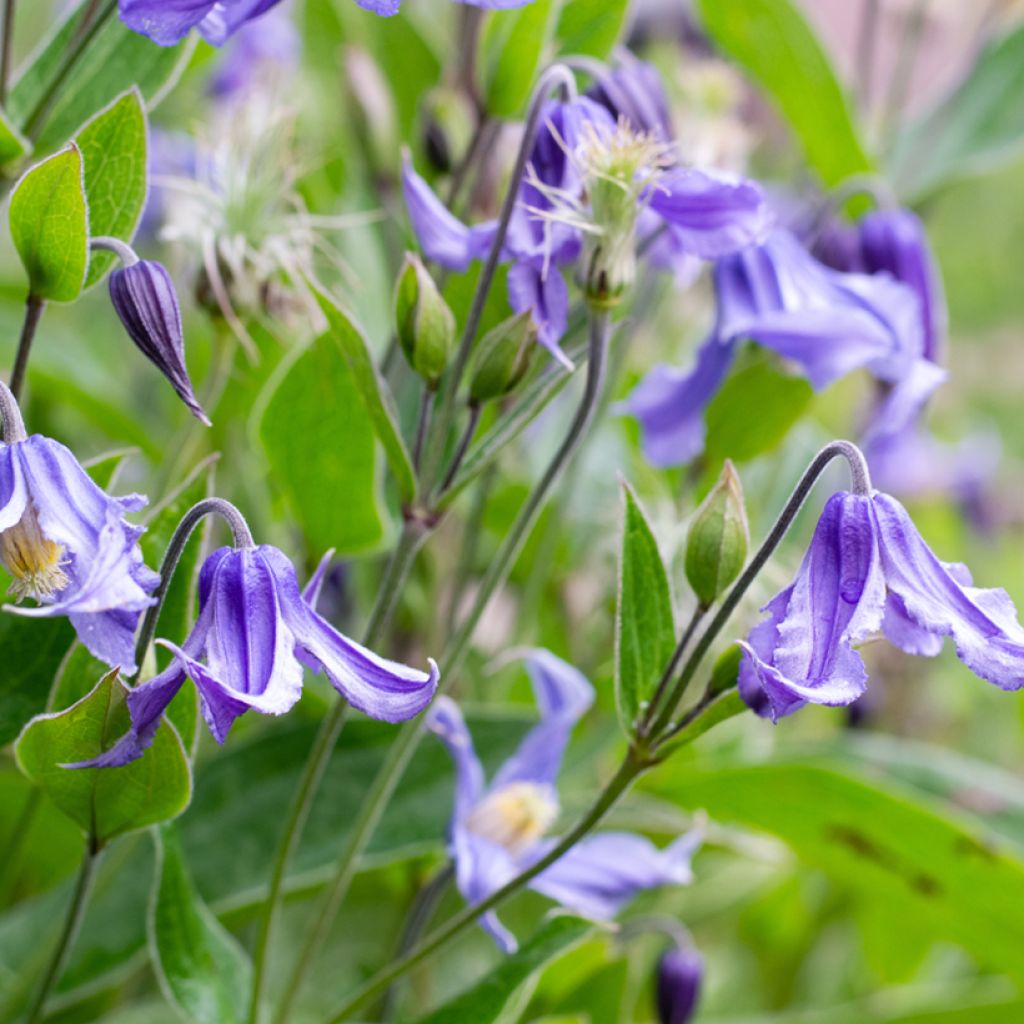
(34, 307)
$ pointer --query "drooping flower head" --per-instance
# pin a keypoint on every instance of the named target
(67, 544)
(680, 975)
(777, 295)
(255, 632)
(594, 184)
(498, 830)
(167, 22)
(868, 569)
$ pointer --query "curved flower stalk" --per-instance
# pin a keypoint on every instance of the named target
(777, 295)
(593, 184)
(167, 22)
(67, 544)
(498, 830)
(869, 569)
(255, 633)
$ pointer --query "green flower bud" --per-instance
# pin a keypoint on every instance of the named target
(716, 546)
(726, 671)
(503, 358)
(425, 324)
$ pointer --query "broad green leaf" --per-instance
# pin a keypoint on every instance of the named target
(373, 391)
(884, 843)
(978, 127)
(752, 412)
(591, 27)
(104, 802)
(77, 676)
(50, 226)
(202, 969)
(512, 50)
(13, 145)
(772, 42)
(487, 1000)
(321, 445)
(33, 652)
(645, 631)
(112, 59)
(113, 147)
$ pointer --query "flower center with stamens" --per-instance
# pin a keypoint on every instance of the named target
(514, 816)
(34, 562)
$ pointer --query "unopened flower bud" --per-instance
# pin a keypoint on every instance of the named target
(503, 359)
(448, 121)
(144, 297)
(680, 972)
(425, 324)
(716, 546)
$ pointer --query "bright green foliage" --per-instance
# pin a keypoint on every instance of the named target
(512, 53)
(113, 147)
(772, 42)
(373, 392)
(978, 127)
(487, 1000)
(592, 27)
(202, 967)
(645, 632)
(322, 449)
(104, 802)
(50, 226)
(13, 145)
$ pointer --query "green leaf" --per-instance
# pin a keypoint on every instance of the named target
(202, 969)
(591, 27)
(513, 47)
(13, 145)
(104, 802)
(753, 411)
(883, 843)
(978, 127)
(486, 1001)
(772, 42)
(112, 59)
(373, 391)
(50, 226)
(113, 147)
(33, 652)
(322, 449)
(645, 630)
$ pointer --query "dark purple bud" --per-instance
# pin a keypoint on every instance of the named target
(894, 242)
(144, 297)
(680, 973)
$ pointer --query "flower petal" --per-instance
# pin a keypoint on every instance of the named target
(446, 722)
(164, 21)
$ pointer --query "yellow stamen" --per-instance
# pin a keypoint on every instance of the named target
(515, 815)
(33, 560)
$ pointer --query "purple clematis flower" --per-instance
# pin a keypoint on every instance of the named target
(680, 976)
(778, 295)
(633, 90)
(387, 8)
(262, 47)
(247, 649)
(68, 546)
(167, 22)
(497, 830)
(702, 214)
(869, 569)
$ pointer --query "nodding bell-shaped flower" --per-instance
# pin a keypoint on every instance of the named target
(869, 569)
(67, 544)
(777, 295)
(167, 22)
(680, 975)
(498, 830)
(255, 632)
(144, 297)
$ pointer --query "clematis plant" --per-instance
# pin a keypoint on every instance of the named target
(67, 544)
(255, 634)
(498, 830)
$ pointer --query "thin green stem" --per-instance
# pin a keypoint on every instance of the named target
(861, 485)
(5, 49)
(670, 669)
(627, 772)
(400, 564)
(175, 548)
(463, 446)
(426, 404)
(555, 76)
(405, 743)
(34, 307)
(72, 922)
